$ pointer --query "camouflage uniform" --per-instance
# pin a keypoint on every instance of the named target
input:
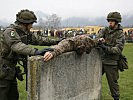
(14, 42)
(114, 42)
(78, 43)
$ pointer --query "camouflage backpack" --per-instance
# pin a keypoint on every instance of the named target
(122, 63)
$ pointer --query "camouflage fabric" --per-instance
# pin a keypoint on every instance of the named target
(26, 16)
(114, 16)
(78, 43)
(14, 42)
(115, 40)
(112, 75)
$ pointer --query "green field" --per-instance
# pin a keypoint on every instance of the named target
(125, 81)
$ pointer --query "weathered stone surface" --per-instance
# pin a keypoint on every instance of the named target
(66, 77)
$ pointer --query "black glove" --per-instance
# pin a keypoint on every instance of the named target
(60, 39)
(80, 50)
(99, 43)
(43, 51)
(104, 47)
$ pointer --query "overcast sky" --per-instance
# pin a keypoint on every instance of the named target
(66, 8)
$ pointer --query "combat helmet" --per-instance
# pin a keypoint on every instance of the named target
(26, 17)
(116, 16)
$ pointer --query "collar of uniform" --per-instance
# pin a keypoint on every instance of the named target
(20, 28)
(119, 27)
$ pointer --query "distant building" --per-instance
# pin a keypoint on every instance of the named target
(92, 29)
(35, 30)
(128, 30)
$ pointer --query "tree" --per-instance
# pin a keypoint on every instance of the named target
(41, 22)
(53, 22)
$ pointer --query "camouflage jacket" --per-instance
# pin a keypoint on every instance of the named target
(77, 43)
(114, 40)
(14, 42)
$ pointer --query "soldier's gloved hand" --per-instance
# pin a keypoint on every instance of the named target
(104, 47)
(43, 51)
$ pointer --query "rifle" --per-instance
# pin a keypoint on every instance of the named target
(14, 58)
(23, 59)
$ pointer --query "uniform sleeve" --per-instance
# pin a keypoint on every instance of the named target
(64, 46)
(101, 33)
(79, 44)
(14, 42)
(45, 41)
(117, 49)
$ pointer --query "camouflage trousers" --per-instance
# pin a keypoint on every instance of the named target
(112, 76)
(8, 90)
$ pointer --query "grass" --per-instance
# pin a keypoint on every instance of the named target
(125, 80)
(22, 84)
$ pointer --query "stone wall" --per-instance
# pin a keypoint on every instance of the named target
(66, 77)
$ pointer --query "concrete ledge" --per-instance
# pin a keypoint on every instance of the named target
(66, 77)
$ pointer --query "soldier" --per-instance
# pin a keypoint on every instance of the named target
(111, 42)
(14, 45)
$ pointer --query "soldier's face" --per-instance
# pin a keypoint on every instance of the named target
(112, 24)
(29, 27)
